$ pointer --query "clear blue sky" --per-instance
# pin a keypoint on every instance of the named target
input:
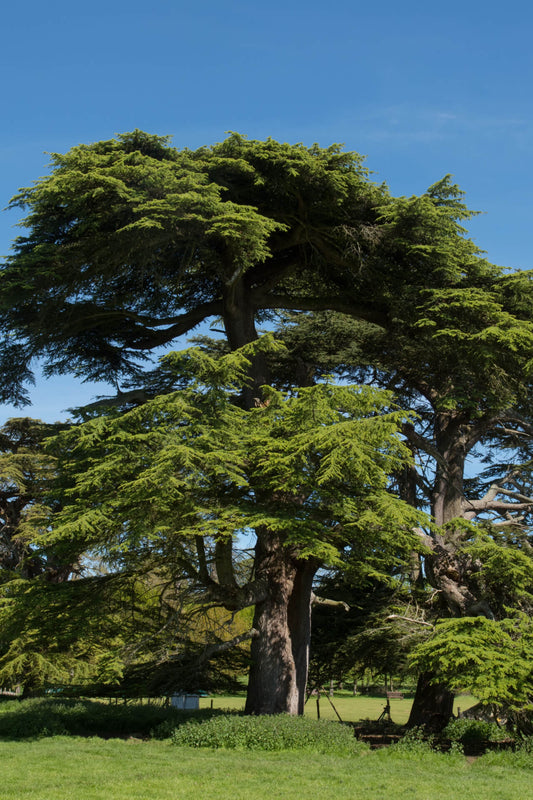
(423, 89)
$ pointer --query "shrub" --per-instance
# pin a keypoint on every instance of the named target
(29, 719)
(51, 717)
(415, 741)
(473, 731)
(167, 728)
(269, 733)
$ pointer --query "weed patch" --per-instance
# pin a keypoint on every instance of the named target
(270, 733)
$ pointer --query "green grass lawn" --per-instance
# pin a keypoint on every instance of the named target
(91, 768)
(351, 709)
(62, 768)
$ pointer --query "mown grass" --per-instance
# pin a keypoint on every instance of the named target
(56, 716)
(350, 708)
(322, 764)
(61, 768)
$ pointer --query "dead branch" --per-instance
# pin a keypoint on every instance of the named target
(409, 619)
(323, 601)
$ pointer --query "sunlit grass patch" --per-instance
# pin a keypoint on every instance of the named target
(94, 769)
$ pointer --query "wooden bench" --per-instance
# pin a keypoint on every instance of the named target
(394, 696)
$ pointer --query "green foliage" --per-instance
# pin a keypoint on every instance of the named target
(347, 641)
(492, 659)
(112, 634)
(413, 744)
(270, 733)
(459, 330)
(131, 242)
(311, 466)
(473, 731)
(61, 717)
(27, 478)
(163, 493)
(48, 638)
(504, 576)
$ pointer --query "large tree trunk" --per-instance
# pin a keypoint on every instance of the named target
(282, 621)
(432, 706)
(280, 649)
(448, 570)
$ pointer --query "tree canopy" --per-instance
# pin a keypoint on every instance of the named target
(27, 480)
(175, 487)
(130, 243)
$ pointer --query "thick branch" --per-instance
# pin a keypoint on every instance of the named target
(499, 507)
(203, 572)
(224, 563)
(150, 338)
(509, 522)
(420, 442)
(136, 396)
(234, 598)
(261, 300)
(522, 498)
(490, 502)
(214, 649)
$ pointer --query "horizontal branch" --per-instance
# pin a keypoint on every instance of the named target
(522, 498)
(475, 507)
(136, 396)
(234, 598)
(151, 338)
(262, 300)
(211, 650)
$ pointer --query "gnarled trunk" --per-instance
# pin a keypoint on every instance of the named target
(280, 648)
(433, 702)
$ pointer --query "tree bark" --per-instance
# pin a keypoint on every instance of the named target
(280, 650)
(452, 445)
(433, 702)
(239, 324)
(282, 620)
(447, 570)
(432, 706)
